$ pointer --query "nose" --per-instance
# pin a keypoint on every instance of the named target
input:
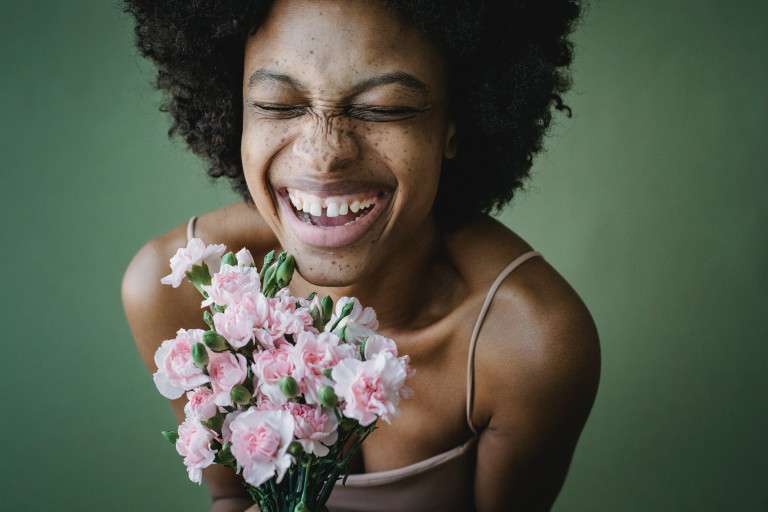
(326, 144)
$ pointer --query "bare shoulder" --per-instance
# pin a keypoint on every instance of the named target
(156, 311)
(538, 348)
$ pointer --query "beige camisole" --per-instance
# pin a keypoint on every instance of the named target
(443, 482)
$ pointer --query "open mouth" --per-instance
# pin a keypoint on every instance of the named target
(331, 220)
(331, 211)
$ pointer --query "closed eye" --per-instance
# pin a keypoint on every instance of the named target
(382, 114)
(362, 112)
(276, 110)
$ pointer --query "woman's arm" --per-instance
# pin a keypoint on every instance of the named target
(538, 369)
(155, 312)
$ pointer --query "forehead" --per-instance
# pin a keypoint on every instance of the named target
(329, 45)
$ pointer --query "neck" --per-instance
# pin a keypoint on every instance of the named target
(397, 288)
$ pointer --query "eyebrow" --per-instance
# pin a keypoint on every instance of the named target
(396, 77)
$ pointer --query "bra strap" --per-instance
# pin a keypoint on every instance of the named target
(191, 228)
(478, 324)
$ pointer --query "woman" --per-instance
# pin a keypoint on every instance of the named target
(371, 140)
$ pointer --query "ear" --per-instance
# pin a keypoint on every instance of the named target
(450, 141)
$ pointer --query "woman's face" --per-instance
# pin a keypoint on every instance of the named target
(344, 132)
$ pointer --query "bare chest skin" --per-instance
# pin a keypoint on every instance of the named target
(437, 339)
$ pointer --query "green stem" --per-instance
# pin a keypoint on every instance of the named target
(306, 481)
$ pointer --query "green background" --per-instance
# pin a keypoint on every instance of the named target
(650, 201)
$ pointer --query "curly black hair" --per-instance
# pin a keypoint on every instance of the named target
(507, 68)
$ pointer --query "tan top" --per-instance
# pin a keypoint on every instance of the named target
(440, 483)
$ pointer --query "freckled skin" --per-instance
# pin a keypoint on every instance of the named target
(325, 144)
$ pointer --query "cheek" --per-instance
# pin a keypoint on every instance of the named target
(258, 146)
(414, 157)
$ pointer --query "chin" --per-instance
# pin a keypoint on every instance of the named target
(329, 269)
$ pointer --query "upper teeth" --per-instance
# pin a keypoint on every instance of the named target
(333, 206)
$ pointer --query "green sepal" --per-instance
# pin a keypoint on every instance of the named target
(295, 449)
(317, 318)
(240, 395)
(229, 259)
(345, 311)
(199, 355)
(268, 259)
(171, 435)
(326, 303)
(284, 271)
(327, 396)
(215, 341)
(199, 275)
(214, 422)
(224, 455)
(208, 318)
(289, 386)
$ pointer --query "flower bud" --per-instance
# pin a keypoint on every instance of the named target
(170, 435)
(240, 395)
(327, 304)
(268, 259)
(327, 396)
(229, 259)
(289, 386)
(345, 311)
(328, 372)
(284, 272)
(199, 355)
(215, 341)
(295, 449)
(269, 280)
(301, 507)
(317, 318)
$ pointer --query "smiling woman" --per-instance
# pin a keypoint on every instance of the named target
(371, 140)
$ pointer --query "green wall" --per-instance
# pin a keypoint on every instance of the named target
(649, 200)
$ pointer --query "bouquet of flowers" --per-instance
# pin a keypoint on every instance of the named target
(281, 389)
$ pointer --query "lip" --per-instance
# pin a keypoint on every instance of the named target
(331, 236)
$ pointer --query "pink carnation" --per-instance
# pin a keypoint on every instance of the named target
(371, 388)
(200, 404)
(269, 366)
(260, 441)
(195, 253)
(238, 322)
(244, 258)
(226, 370)
(377, 343)
(176, 372)
(312, 355)
(360, 322)
(194, 444)
(316, 429)
(230, 284)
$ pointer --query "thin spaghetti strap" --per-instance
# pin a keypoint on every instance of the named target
(191, 228)
(478, 324)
